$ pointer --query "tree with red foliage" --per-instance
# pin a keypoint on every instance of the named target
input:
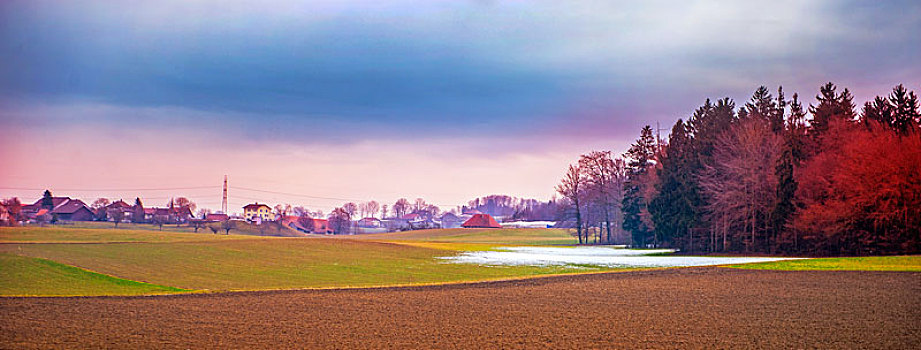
(13, 209)
(862, 194)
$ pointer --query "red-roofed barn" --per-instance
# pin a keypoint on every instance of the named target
(481, 221)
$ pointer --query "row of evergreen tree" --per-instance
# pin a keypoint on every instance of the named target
(770, 176)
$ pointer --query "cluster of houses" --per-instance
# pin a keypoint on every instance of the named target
(258, 213)
(53, 209)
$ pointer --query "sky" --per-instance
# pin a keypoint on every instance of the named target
(316, 103)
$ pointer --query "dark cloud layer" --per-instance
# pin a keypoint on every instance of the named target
(462, 69)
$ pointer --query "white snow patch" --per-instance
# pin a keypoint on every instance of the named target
(594, 256)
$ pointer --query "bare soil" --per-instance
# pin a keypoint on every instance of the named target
(676, 308)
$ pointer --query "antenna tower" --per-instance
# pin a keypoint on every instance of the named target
(224, 199)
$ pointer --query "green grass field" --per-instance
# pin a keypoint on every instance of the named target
(24, 276)
(65, 234)
(207, 262)
(869, 263)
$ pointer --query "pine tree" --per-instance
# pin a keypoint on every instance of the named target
(831, 106)
(675, 209)
(786, 183)
(796, 128)
(762, 106)
(777, 119)
(879, 111)
(905, 115)
(47, 200)
(138, 214)
(707, 124)
(786, 189)
(640, 156)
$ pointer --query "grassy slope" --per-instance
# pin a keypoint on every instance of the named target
(210, 262)
(65, 234)
(40, 277)
(242, 228)
(870, 263)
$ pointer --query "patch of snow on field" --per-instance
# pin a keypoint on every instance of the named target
(595, 256)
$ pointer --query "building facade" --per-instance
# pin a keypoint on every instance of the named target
(257, 212)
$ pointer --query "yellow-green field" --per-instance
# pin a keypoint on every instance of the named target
(127, 262)
(69, 260)
(868, 263)
(241, 228)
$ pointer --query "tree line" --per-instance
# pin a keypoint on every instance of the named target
(770, 176)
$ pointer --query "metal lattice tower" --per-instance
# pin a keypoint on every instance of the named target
(224, 199)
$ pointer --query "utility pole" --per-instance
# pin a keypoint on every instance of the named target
(224, 199)
(658, 141)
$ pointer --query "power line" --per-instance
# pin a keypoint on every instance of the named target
(319, 197)
(112, 189)
(296, 194)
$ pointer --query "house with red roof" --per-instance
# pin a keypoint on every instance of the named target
(216, 217)
(481, 221)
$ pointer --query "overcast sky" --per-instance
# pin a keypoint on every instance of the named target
(362, 100)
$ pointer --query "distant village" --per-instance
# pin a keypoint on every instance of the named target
(282, 219)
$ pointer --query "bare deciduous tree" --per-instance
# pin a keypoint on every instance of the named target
(419, 205)
(197, 224)
(604, 181)
(400, 207)
(741, 181)
(571, 188)
(228, 225)
(99, 203)
(185, 202)
(369, 208)
(299, 211)
(282, 210)
(116, 215)
(340, 221)
(159, 220)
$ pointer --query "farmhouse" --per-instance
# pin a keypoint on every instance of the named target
(63, 208)
(257, 212)
(126, 209)
(369, 223)
(169, 215)
(481, 221)
(449, 220)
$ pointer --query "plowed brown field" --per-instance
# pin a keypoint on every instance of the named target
(677, 308)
